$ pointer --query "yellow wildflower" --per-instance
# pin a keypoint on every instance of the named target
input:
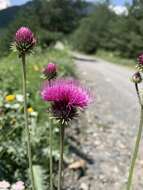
(13, 121)
(36, 68)
(10, 98)
(30, 110)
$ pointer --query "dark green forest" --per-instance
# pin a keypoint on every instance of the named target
(103, 29)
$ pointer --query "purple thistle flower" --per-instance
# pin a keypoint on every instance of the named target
(66, 96)
(140, 62)
(24, 40)
(50, 71)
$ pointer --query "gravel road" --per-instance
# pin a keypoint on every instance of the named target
(109, 126)
(112, 83)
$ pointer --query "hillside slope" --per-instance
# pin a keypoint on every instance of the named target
(8, 15)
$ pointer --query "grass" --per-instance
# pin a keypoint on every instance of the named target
(114, 57)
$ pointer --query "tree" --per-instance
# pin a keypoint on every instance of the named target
(60, 15)
(93, 32)
(104, 29)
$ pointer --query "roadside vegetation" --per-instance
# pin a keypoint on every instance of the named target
(13, 165)
(48, 29)
(114, 57)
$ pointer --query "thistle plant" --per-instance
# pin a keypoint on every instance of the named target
(136, 79)
(24, 43)
(66, 96)
(50, 72)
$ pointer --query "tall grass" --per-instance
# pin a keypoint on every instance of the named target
(115, 57)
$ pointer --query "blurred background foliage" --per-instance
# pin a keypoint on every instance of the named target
(103, 29)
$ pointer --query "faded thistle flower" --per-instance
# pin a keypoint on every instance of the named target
(18, 186)
(65, 97)
(4, 185)
(136, 78)
(24, 40)
(50, 71)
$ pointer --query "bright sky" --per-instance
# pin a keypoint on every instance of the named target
(18, 2)
(117, 2)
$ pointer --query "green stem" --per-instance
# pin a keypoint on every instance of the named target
(136, 149)
(138, 93)
(51, 153)
(26, 122)
(51, 158)
(60, 180)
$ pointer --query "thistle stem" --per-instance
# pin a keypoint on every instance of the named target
(60, 180)
(51, 152)
(51, 158)
(26, 122)
(138, 94)
(136, 149)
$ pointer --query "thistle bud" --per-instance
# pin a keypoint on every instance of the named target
(140, 62)
(50, 71)
(24, 40)
(136, 78)
(140, 59)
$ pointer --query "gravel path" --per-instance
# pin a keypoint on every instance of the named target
(108, 128)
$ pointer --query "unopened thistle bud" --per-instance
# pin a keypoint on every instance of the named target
(50, 71)
(24, 40)
(136, 78)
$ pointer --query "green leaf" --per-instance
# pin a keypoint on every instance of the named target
(39, 176)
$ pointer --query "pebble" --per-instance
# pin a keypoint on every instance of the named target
(83, 186)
